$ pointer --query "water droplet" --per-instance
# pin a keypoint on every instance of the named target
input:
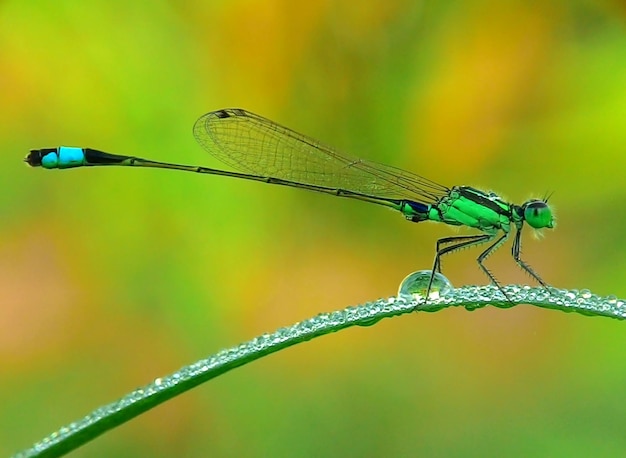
(414, 285)
(369, 321)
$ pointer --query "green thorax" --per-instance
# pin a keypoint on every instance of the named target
(467, 206)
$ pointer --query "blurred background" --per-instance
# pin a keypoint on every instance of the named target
(111, 277)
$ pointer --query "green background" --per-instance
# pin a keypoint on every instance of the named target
(112, 277)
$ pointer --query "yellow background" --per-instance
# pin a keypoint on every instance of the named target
(111, 277)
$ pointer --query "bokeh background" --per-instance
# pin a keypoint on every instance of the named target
(112, 277)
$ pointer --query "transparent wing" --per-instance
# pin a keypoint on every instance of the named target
(253, 144)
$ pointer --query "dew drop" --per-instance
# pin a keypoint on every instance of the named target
(415, 285)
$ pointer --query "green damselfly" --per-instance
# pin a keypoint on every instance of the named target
(268, 152)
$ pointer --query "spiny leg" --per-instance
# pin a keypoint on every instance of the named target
(497, 244)
(478, 238)
(516, 251)
(464, 242)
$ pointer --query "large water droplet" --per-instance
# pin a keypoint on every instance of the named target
(414, 285)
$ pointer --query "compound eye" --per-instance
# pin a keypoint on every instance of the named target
(538, 214)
